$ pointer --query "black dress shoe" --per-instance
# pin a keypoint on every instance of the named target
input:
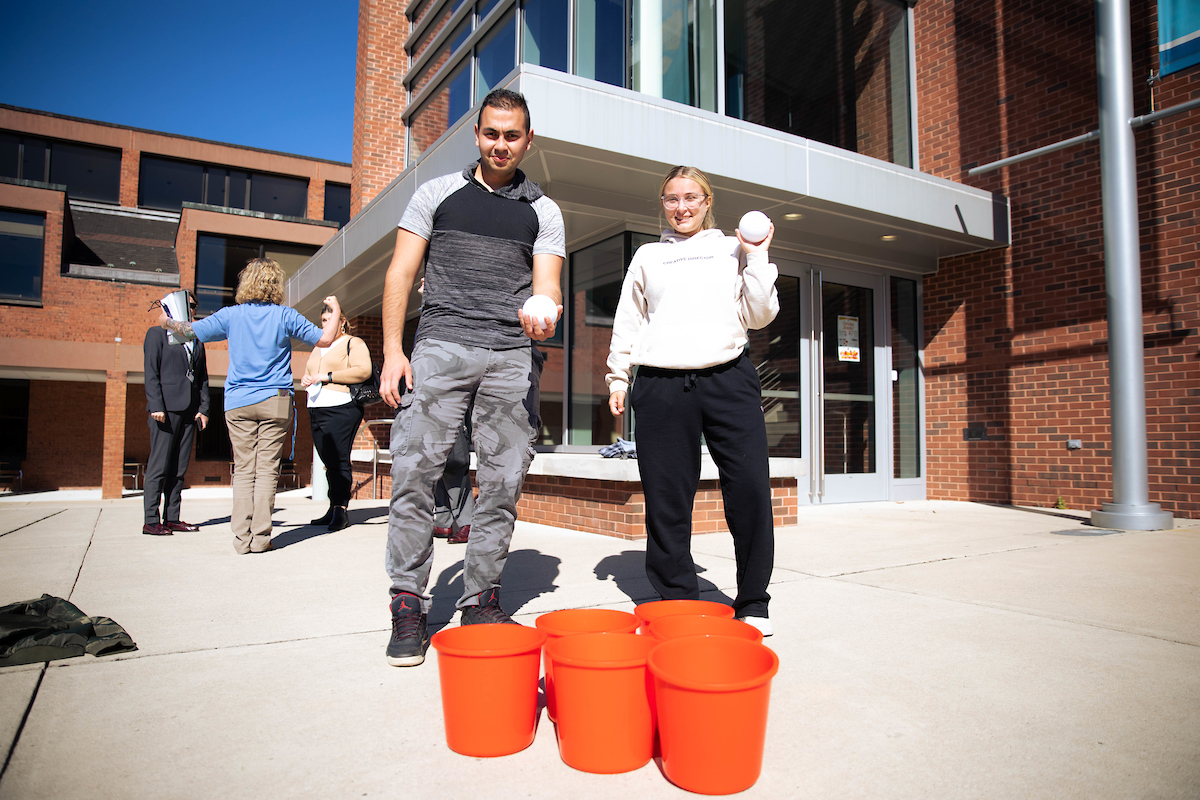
(154, 529)
(340, 519)
(324, 519)
(180, 525)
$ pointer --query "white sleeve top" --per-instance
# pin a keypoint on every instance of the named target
(688, 303)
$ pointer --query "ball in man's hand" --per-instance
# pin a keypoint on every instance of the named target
(541, 307)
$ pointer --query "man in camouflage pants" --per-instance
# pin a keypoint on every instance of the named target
(489, 239)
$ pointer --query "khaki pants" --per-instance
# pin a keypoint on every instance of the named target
(258, 434)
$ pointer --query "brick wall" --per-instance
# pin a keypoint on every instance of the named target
(1016, 339)
(65, 449)
(379, 99)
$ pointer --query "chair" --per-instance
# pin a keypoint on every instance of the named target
(287, 472)
(11, 474)
(136, 471)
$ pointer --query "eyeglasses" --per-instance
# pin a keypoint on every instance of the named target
(688, 200)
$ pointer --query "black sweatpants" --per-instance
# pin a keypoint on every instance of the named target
(672, 409)
(170, 454)
(333, 430)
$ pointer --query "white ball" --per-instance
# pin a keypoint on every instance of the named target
(755, 226)
(539, 306)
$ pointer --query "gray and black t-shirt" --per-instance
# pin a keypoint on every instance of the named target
(479, 267)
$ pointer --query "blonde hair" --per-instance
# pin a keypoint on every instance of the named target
(260, 281)
(691, 173)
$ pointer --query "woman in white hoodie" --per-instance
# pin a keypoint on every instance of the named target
(686, 305)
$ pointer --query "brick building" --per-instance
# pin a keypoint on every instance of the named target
(98, 221)
(941, 335)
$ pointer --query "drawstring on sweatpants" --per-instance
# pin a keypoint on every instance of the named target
(689, 381)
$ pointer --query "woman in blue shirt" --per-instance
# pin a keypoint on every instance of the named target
(258, 388)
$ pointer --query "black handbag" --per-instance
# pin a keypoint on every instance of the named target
(365, 393)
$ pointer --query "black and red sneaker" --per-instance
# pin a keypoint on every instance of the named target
(410, 634)
(488, 612)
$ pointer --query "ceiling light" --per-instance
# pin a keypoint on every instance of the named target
(889, 237)
(793, 216)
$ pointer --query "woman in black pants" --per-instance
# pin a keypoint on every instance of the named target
(334, 415)
(686, 305)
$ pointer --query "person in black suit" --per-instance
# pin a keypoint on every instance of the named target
(177, 402)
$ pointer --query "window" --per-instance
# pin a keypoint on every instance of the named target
(674, 50)
(219, 259)
(906, 385)
(443, 108)
(544, 33)
(337, 203)
(22, 237)
(600, 40)
(212, 443)
(775, 350)
(596, 275)
(14, 420)
(89, 173)
(496, 55)
(833, 72)
(166, 184)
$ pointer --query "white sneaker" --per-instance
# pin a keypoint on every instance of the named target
(762, 623)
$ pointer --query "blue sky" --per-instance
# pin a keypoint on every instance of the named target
(266, 73)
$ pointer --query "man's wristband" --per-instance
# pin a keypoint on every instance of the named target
(329, 377)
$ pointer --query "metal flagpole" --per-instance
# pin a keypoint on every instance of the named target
(1130, 508)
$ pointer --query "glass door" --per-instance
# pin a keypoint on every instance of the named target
(850, 435)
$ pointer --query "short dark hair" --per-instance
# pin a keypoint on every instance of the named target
(506, 100)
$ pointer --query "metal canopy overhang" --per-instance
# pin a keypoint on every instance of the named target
(600, 152)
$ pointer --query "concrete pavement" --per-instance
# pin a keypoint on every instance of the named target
(928, 650)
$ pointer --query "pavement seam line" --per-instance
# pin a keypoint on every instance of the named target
(936, 560)
(12, 749)
(35, 522)
(86, 550)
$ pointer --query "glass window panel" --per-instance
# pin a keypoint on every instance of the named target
(239, 187)
(496, 55)
(906, 387)
(485, 7)
(775, 351)
(165, 184)
(443, 55)
(22, 237)
(834, 72)
(89, 173)
(214, 191)
(337, 203)
(849, 398)
(674, 50)
(219, 259)
(595, 275)
(33, 159)
(430, 33)
(290, 256)
(440, 111)
(10, 155)
(276, 194)
(544, 33)
(600, 40)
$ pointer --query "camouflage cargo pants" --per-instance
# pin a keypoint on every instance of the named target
(446, 376)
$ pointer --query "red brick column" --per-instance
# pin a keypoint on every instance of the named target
(111, 482)
(379, 99)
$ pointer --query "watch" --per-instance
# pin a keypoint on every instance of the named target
(329, 377)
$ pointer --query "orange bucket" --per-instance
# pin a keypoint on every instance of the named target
(605, 708)
(712, 694)
(673, 627)
(648, 612)
(489, 677)
(572, 621)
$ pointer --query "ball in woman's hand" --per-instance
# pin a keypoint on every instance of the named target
(539, 306)
(755, 226)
